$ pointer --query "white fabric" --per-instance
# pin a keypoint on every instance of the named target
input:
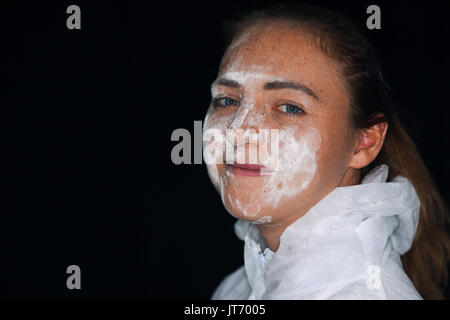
(347, 246)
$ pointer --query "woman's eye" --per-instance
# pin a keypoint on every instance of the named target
(290, 108)
(225, 102)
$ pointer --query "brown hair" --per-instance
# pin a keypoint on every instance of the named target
(371, 102)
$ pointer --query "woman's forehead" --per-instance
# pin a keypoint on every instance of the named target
(275, 55)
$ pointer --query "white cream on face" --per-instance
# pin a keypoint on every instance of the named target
(297, 154)
(218, 123)
(296, 169)
(297, 164)
(240, 115)
(262, 220)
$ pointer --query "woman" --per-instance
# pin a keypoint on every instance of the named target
(350, 210)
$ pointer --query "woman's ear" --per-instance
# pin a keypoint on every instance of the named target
(369, 145)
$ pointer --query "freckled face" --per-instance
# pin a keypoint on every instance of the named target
(274, 77)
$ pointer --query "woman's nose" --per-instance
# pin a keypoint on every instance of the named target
(245, 118)
(245, 127)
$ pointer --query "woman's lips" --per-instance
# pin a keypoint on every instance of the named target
(250, 170)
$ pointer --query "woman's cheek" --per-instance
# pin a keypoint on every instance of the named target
(297, 164)
(214, 129)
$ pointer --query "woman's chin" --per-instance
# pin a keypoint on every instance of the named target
(247, 214)
(262, 220)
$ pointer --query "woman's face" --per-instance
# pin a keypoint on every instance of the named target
(274, 78)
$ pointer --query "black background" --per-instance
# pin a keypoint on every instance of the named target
(89, 115)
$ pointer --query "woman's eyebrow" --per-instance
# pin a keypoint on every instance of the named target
(227, 82)
(274, 85)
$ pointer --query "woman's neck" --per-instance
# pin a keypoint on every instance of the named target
(271, 233)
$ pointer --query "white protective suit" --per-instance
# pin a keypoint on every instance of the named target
(347, 246)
